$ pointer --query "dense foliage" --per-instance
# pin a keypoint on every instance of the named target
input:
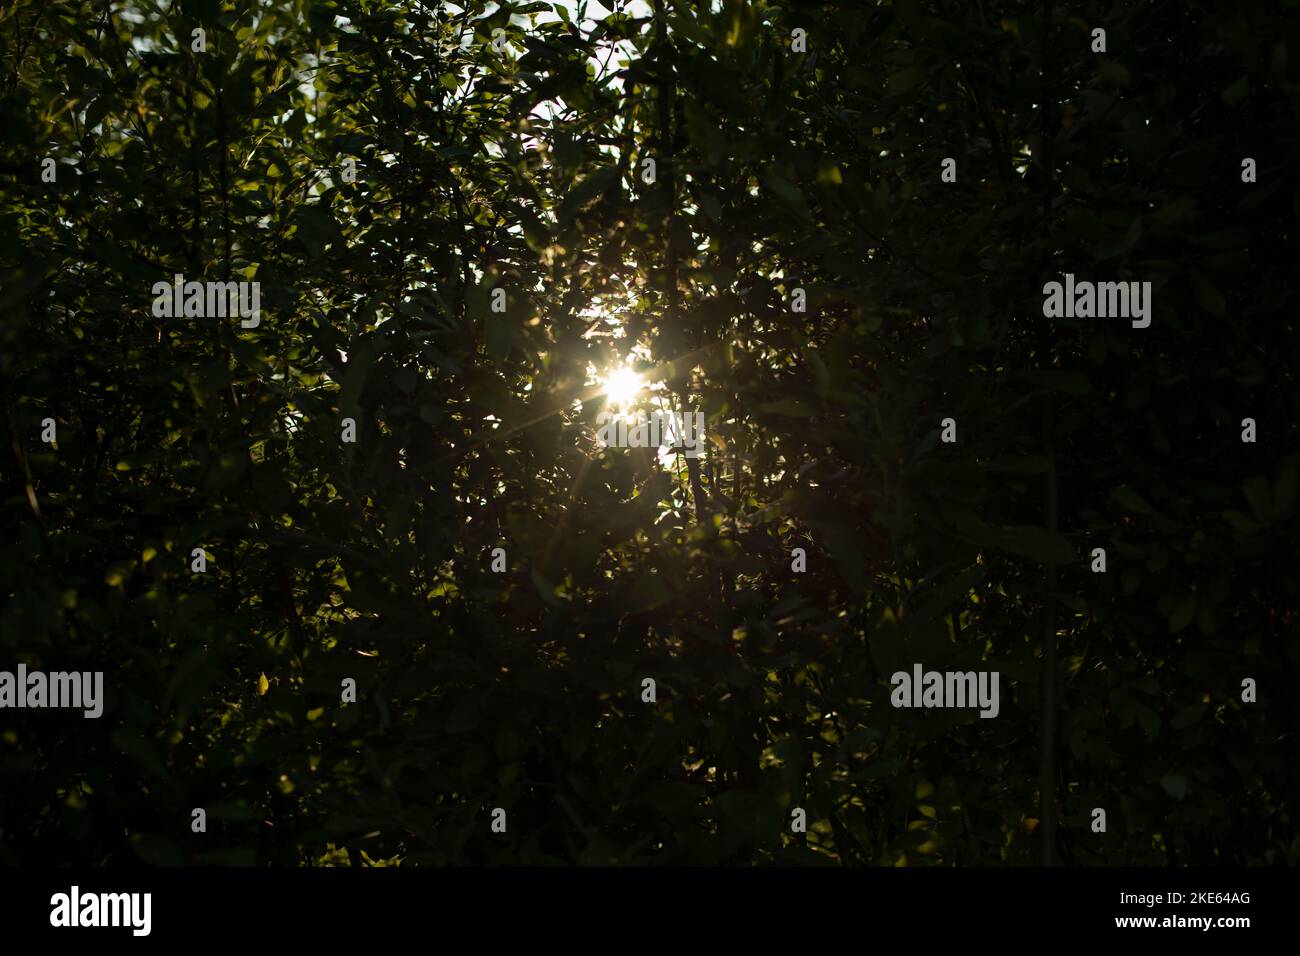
(522, 169)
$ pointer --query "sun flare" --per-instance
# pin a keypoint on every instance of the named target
(621, 386)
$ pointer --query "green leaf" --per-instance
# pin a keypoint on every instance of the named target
(1058, 379)
(1112, 71)
(788, 406)
(1175, 785)
(1033, 464)
(499, 334)
(96, 112)
(784, 189)
(355, 374)
(1284, 490)
(316, 228)
(709, 204)
(1183, 613)
(1208, 297)
(905, 79)
(1240, 522)
(1149, 720)
(1131, 579)
(1040, 544)
(586, 192)
(548, 591)
(1130, 500)
(1237, 91)
(820, 376)
(139, 748)
(1259, 494)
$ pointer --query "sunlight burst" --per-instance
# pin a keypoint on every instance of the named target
(621, 386)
